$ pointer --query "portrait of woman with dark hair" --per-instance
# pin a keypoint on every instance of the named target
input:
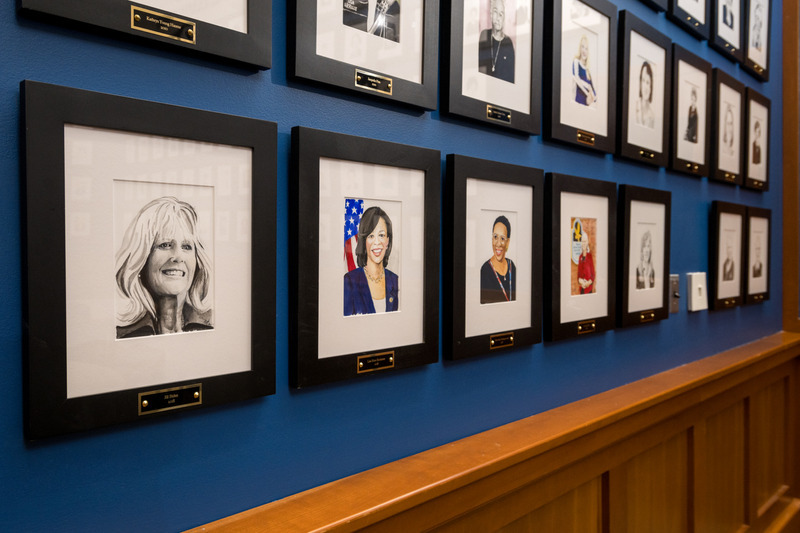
(372, 287)
(691, 125)
(498, 273)
(645, 274)
(757, 143)
(163, 273)
(644, 110)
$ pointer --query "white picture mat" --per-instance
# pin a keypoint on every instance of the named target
(690, 77)
(646, 216)
(642, 49)
(730, 234)
(696, 8)
(728, 159)
(96, 159)
(392, 186)
(758, 32)
(584, 306)
(577, 20)
(758, 239)
(758, 113)
(731, 35)
(486, 200)
(336, 40)
(475, 84)
(231, 14)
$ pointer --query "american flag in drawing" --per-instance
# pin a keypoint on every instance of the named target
(353, 209)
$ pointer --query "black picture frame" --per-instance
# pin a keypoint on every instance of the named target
(252, 46)
(695, 130)
(561, 119)
(696, 23)
(497, 188)
(650, 152)
(377, 77)
(316, 308)
(756, 59)
(727, 137)
(757, 279)
(58, 191)
(758, 110)
(562, 319)
(657, 5)
(502, 108)
(727, 28)
(727, 232)
(636, 302)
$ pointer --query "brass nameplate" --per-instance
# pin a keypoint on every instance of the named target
(501, 340)
(758, 297)
(758, 69)
(375, 361)
(758, 184)
(646, 316)
(373, 82)
(691, 167)
(498, 113)
(585, 138)
(587, 326)
(168, 399)
(168, 26)
(644, 154)
(730, 177)
(729, 303)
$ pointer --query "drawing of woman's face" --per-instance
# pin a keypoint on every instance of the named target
(647, 249)
(170, 267)
(377, 242)
(500, 241)
(729, 126)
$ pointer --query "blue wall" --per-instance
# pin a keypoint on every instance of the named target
(177, 472)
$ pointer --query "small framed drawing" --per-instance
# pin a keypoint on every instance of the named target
(239, 31)
(727, 254)
(366, 287)
(646, 68)
(644, 223)
(691, 94)
(658, 5)
(146, 292)
(757, 32)
(758, 249)
(727, 28)
(384, 48)
(691, 15)
(496, 62)
(493, 255)
(580, 246)
(580, 103)
(727, 154)
(757, 140)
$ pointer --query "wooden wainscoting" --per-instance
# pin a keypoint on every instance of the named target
(711, 446)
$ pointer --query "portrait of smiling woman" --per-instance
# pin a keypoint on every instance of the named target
(498, 273)
(163, 273)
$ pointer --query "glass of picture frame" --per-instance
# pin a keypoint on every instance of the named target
(240, 31)
(727, 145)
(383, 48)
(691, 15)
(644, 224)
(646, 71)
(580, 246)
(727, 254)
(758, 250)
(691, 96)
(757, 140)
(495, 62)
(727, 28)
(757, 38)
(582, 46)
(146, 291)
(493, 255)
(366, 278)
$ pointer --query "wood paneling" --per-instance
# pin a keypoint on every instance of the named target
(578, 511)
(768, 433)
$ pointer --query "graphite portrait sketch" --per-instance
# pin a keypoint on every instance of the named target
(729, 265)
(496, 46)
(691, 109)
(757, 138)
(729, 113)
(163, 273)
(645, 115)
(498, 273)
(645, 273)
(376, 17)
(690, 133)
(583, 244)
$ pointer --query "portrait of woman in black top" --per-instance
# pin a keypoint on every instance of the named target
(498, 274)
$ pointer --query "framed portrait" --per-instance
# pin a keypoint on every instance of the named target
(757, 34)
(727, 136)
(644, 224)
(646, 71)
(658, 5)
(384, 48)
(146, 291)
(757, 140)
(240, 31)
(758, 249)
(495, 51)
(493, 254)
(691, 15)
(580, 104)
(580, 246)
(366, 288)
(691, 95)
(727, 28)
(727, 254)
